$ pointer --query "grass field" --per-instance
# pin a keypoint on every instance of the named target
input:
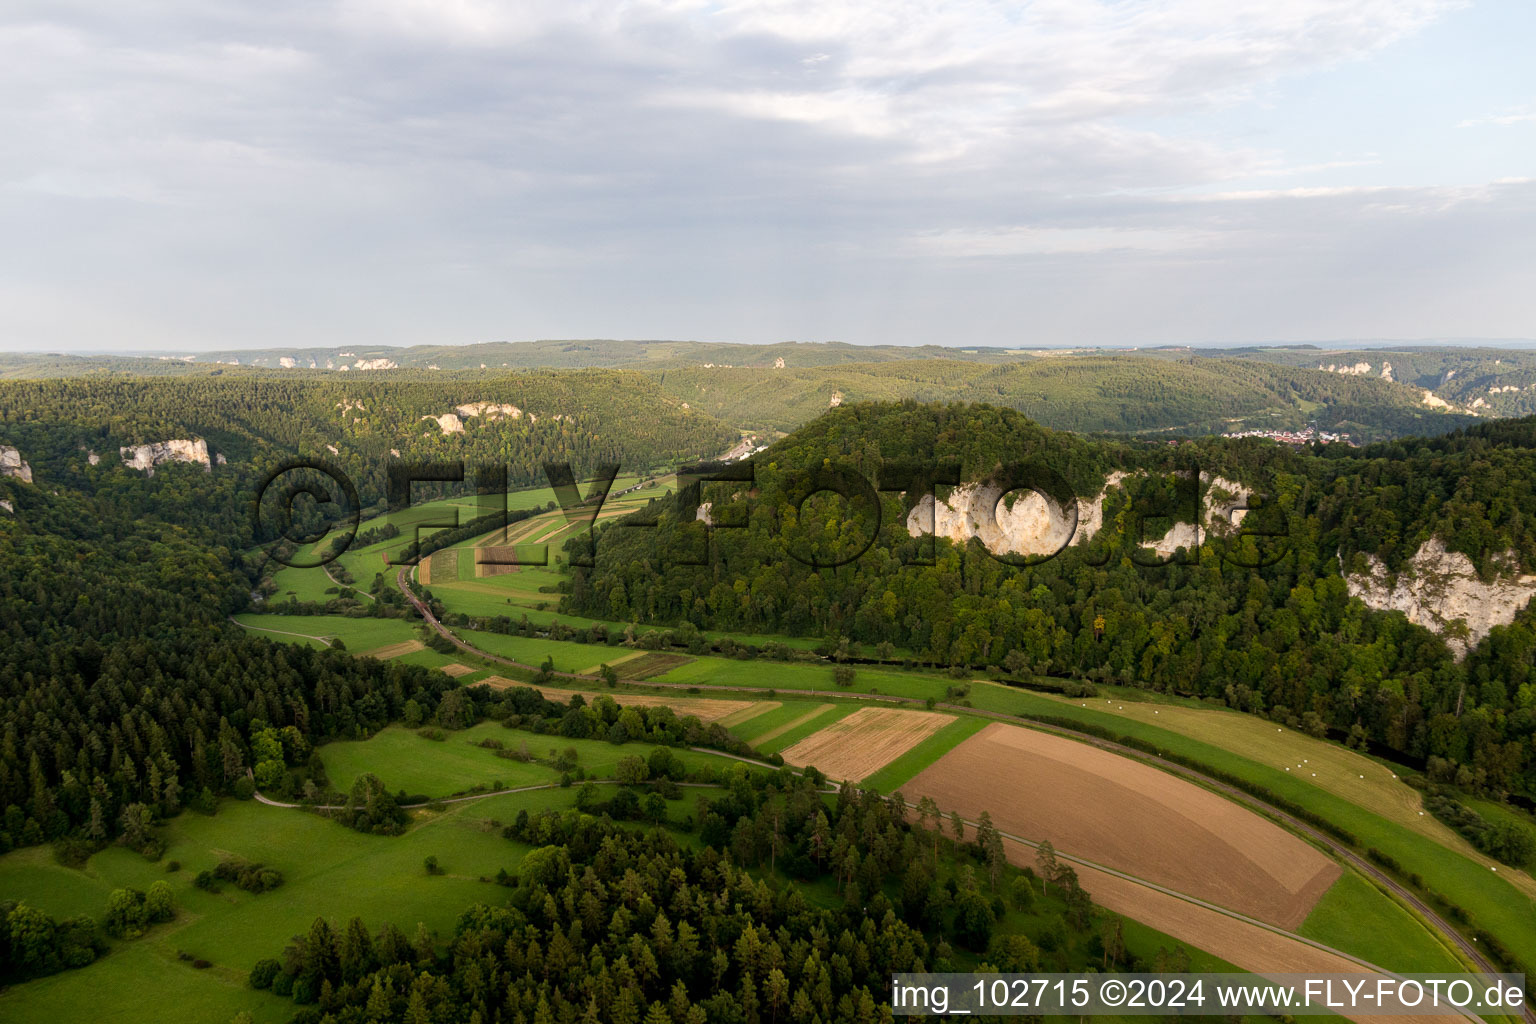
(407, 761)
(329, 871)
(1357, 917)
(766, 732)
(358, 634)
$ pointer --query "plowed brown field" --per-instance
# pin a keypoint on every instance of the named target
(1118, 812)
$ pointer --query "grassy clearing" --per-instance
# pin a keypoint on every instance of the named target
(532, 650)
(1356, 916)
(894, 775)
(434, 768)
(329, 872)
(357, 634)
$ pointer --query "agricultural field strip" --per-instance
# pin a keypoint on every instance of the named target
(1348, 775)
(1129, 815)
(793, 723)
(1381, 878)
(865, 741)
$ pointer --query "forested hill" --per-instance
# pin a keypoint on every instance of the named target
(1116, 393)
(586, 417)
(1265, 624)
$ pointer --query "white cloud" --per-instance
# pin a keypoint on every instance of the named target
(676, 160)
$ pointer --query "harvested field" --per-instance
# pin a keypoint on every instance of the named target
(654, 664)
(1127, 815)
(495, 561)
(818, 710)
(456, 670)
(865, 741)
(398, 650)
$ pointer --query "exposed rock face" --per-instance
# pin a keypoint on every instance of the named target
(1357, 370)
(702, 513)
(148, 456)
(287, 362)
(1386, 371)
(1440, 589)
(837, 399)
(1038, 525)
(13, 465)
(448, 423)
(95, 459)
(778, 364)
(376, 364)
(346, 405)
(490, 410)
(1434, 401)
(7, 506)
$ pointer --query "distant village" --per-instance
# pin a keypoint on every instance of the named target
(1305, 435)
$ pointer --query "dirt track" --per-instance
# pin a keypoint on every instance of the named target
(1128, 815)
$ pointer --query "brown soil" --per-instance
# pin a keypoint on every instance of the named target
(1130, 816)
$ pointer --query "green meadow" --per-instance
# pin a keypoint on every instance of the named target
(1356, 916)
(405, 760)
(329, 871)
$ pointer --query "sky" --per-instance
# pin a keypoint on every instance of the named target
(184, 175)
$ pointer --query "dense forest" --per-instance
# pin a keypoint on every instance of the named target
(585, 417)
(1264, 624)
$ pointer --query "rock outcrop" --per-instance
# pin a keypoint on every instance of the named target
(489, 410)
(448, 423)
(1441, 591)
(1033, 524)
(13, 465)
(147, 456)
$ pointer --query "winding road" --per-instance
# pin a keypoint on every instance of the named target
(1467, 947)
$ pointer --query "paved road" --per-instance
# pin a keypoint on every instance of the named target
(1468, 947)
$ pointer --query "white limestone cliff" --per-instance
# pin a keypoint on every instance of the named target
(1441, 591)
(146, 457)
(13, 465)
(448, 423)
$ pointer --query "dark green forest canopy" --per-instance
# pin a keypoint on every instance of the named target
(1284, 639)
(585, 417)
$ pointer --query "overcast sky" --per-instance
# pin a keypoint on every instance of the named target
(199, 174)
